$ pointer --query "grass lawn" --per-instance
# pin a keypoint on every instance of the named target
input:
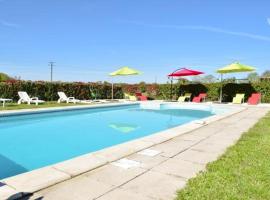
(242, 173)
(15, 106)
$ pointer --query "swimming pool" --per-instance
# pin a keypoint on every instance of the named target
(31, 141)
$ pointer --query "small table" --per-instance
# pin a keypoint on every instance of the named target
(4, 101)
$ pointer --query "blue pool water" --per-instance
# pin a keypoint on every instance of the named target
(32, 141)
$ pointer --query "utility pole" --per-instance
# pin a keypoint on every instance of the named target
(51, 64)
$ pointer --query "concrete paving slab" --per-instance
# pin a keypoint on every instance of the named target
(180, 168)
(126, 163)
(36, 180)
(173, 147)
(229, 132)
(197, 156)
(113, 175)
(210, 147)
(80, 164)
(160, 137)
(146, 161)
(243, 125)
(119, 194)
(155, 185)
(79, 188)
(205, 132)
(122, 150)
(233, 118)
(221, 140)
(7, 192)
(149, 152)
(192, 137)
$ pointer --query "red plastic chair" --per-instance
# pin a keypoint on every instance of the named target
(140, 96)
(254, 99)
(199, 98)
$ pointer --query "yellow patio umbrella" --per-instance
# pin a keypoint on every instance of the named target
(235, 67)
(124, 127)
(124, 71)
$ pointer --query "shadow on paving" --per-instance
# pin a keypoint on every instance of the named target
(25, 195)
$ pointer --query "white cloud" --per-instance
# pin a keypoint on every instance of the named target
(206, 28)
(229, 32)
(8, 24)
(268, 21)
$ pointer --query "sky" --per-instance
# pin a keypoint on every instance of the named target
(87, 39)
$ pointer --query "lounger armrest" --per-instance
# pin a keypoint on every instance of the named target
(71, 98)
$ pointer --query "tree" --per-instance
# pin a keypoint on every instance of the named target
(229, 80)
(142, 86)
(253, 77)
(4, 77)
(182, 81)
(209, 79)
(205, 79)
(266, 74)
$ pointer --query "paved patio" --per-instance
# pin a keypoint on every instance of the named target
(148, 177)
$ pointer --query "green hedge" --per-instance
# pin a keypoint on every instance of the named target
(48, 91)
(229, 90)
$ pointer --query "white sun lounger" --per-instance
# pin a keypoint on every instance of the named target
(24, 98)
(94, 101)
(63, 98)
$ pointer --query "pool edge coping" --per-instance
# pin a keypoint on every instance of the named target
(38, 179)
(64, 108)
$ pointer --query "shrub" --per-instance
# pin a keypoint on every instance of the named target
(48, 91)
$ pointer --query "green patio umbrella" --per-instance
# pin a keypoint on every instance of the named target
(235, 67)
(124, 71)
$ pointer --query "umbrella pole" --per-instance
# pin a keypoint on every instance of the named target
(221, 80)
(171, 88)
(112, 88)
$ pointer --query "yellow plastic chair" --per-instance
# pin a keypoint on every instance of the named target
(184, 97)
(130, 97)
(238, 99)
(126, 96)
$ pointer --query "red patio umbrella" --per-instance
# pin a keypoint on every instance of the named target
(183, 72)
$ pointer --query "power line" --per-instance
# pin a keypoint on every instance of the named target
(51, 64)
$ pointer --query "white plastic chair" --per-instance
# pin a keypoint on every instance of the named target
(24, 98)
(63, 97)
